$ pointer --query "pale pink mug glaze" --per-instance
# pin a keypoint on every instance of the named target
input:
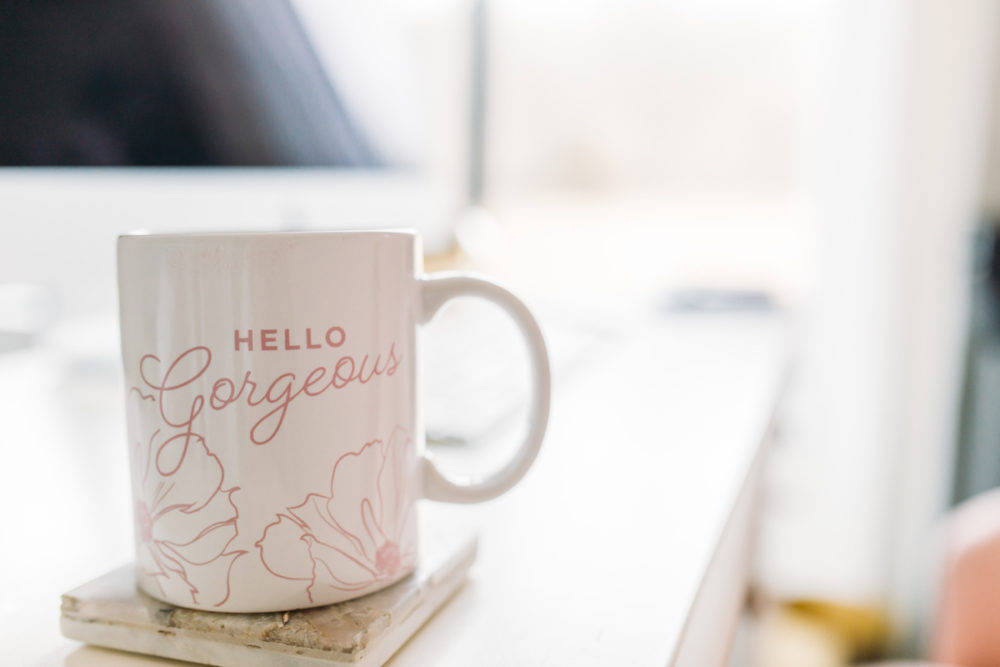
(274, 425)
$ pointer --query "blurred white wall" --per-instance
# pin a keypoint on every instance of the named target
(684, 98)
(898, 143)
(873, 118)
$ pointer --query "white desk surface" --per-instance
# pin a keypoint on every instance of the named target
(594, 559)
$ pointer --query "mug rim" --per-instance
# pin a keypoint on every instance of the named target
(272, 234)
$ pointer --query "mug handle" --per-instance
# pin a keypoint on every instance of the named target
(435, 290)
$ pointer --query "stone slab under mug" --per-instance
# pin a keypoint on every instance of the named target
(111, 612)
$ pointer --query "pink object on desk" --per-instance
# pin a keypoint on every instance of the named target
(967, 631)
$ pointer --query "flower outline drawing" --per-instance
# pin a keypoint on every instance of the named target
(185, 521)
(358, 536)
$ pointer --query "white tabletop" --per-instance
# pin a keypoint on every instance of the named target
(595, 558)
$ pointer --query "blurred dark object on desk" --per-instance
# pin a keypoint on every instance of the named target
(707, 300)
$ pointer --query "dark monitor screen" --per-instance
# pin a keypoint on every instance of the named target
(168, 83)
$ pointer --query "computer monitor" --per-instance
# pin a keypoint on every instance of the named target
(190, 115)
(187, 83)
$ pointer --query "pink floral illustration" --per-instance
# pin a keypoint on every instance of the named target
(185, 521)
(356, 536)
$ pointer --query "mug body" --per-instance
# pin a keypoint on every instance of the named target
(272, 415)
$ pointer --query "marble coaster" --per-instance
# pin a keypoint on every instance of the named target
(109, 611)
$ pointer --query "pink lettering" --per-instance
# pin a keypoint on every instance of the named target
(338, 333)
(240, 339)
(340, 378)
(309, 343)
(314, 377)
(179, 409)
(268, 339)
(217, 400)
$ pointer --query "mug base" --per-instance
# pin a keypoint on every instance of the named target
(292, 602)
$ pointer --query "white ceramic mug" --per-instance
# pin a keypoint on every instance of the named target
(273, 404)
